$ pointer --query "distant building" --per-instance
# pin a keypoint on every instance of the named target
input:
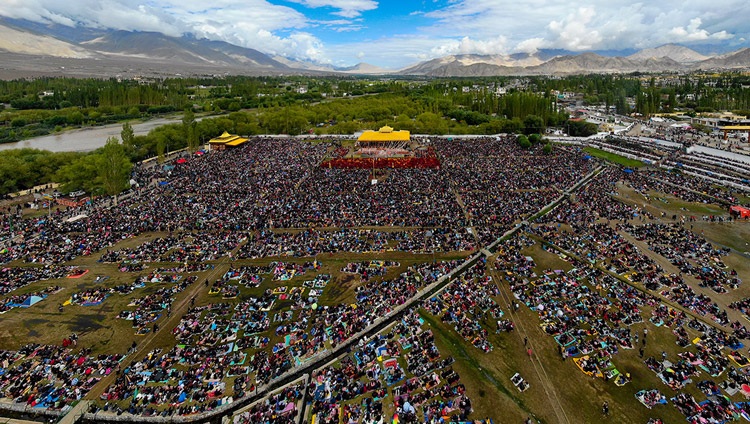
(722, 119)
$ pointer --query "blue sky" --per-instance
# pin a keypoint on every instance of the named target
(397, 33)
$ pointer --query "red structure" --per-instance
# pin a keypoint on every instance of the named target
(383, 149)
(740, 212)
(427, 160)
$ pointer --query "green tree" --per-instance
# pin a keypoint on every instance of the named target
(114, 167)
(127, 134)
(80, 174)
(581, 128)
(75, 118)
(533, 124)
(535, 138)
(189, 129)
(547, 149)
(524, 142)
(161, 143)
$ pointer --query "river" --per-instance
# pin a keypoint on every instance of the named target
(87, 139)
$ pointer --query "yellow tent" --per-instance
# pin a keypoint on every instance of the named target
(227, 139)
(385, 133)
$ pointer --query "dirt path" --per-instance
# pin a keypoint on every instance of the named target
(550, 388)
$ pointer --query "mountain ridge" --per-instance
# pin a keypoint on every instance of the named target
(188, 54)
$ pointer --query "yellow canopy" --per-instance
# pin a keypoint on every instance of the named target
(385, 133)
(236, 142)
(736, 128)
(228, 139)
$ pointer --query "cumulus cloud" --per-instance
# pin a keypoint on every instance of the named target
(388, 52)
(595, 24)
(574, 32)
(468, 45)
(117, 14)
(531, 45)
(694, 32)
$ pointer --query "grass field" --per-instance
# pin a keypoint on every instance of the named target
(614, 158)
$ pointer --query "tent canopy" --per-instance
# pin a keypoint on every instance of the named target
(384, 134)
(31, 300)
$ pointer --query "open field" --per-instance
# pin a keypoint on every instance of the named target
(614, 158)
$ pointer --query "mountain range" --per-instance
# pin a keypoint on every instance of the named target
(30, 49)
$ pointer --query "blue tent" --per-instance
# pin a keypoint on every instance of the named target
(628, 171)
(31, 300)
(587, 157)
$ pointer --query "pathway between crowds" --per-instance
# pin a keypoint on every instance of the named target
(378, 325)
(550, 389)
(75, 413)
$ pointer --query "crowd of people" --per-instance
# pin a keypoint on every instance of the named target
(52, 377)
(147, 309)
(271, 199)
(691, 253)
(13, 278)
(592, 316)
(278, 184)
(467, 303)
(366, 374)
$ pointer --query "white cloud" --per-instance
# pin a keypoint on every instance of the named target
(468, 45)
(455, 27)
(693, 32)
(346, 8)
(250, 23)
(532, 45)
(389, 52)
(594, 24)
(349, 28)
(573, 33)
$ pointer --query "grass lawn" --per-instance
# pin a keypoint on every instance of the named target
(670, 205)
(614, 158)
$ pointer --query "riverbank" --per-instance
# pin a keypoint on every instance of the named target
(91, 138)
